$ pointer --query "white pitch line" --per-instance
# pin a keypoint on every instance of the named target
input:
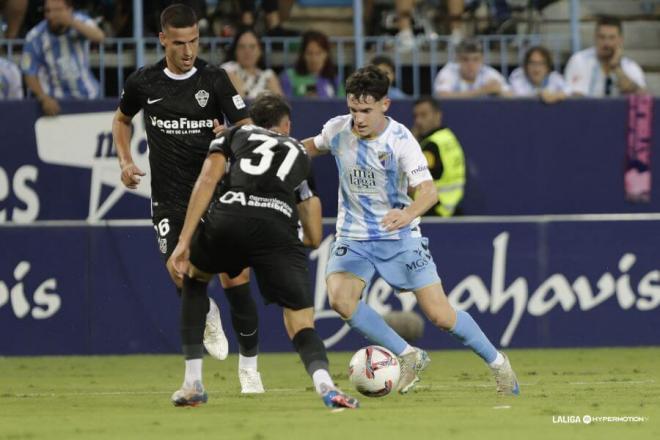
(304, 390)
(614, 382)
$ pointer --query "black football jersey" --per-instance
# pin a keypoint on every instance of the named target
(265, 171)
(178, 117)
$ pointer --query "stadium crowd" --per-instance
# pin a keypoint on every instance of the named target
(54, 64)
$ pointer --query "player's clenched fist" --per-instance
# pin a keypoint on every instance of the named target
(130, 175)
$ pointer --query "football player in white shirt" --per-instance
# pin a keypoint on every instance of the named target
(602, 70)
(536, 78)
(469, 77)
(380, 163)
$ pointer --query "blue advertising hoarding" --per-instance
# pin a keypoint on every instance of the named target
(523, 157)
(532, 283)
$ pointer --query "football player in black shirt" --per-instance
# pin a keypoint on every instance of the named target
(252, 222)
(183, 98)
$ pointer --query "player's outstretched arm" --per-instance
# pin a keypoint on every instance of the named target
(309, 145)
(425, 198)
(121, 133)
(309, 211)
(202, 193)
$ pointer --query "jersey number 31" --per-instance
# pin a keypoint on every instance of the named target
(266, 159)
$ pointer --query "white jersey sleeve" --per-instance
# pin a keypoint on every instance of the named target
(492, 74)
(445, 79)
(324, 141)
(413, 162)
(576, 75)
(633, 72)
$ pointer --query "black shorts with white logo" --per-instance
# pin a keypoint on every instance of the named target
(168, 225)
(229, 243)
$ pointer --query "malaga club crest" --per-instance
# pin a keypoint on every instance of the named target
(202, 97)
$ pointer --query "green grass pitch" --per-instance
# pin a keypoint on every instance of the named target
(125, 397)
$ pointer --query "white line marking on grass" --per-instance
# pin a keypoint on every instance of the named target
(502, 407)
(615, 382)
(431, 387)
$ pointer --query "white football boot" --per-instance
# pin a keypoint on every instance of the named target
(215, 340)
(505, 377)
(250, 381)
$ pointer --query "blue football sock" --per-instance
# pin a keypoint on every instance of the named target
(373, 327)
(469, 333)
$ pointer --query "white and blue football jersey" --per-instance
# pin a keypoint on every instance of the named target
(374, 177)
(60, 61)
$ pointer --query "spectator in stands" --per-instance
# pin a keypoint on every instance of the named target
(54, 60)
(469, 77)
(246, 68)
(602, 70)
(275, 11)
(11, 86)
(444, 155)
(405, 20)
(13, 12)
(385, 64)
(314, 72)
(536, 77)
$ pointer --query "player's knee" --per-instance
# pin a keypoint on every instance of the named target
(343, 304)
(441, 317)
(297, 320)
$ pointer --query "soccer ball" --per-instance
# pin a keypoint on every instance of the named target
(374, 371)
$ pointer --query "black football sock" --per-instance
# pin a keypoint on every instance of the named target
(309, 346)
(194, 307)
(311, 350)
(244, 319)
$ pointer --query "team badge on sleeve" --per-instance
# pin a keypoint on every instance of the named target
(238, 102)
(202, 97)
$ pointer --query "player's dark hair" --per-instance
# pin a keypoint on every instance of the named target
(231, 52)
(178, 16)
(368, 81)
(469, 45)
(609, 20)
(321, 39)
(435, 105)
(268, 109)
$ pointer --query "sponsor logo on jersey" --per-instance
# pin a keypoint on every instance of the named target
(362, 180)
(238, 101)
(231, 197)
(420, 169)
(202, 97)
(181, 125)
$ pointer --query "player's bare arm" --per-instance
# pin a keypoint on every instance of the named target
(202, 193)
(425, 198)
(91, 32)
(309, 145)
(309, 212)
(121, 133)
